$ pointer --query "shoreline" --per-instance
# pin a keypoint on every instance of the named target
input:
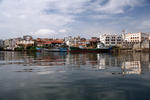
(114, 50)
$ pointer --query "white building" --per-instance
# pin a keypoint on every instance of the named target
(25, 42)
(74, 41)
(136, 40)
(69, 40)
(10, 44)
(111, 39)
(135, 37)
(1, 43)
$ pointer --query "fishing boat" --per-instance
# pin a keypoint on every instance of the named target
(78, 49)
(100, 48)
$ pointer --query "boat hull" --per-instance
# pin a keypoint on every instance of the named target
(56, 50)
(77, 49)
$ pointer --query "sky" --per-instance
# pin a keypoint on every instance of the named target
(61, 18)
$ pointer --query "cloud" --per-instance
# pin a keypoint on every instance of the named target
(67, 6)
(62, 31)
(116, 6)
(45, 32)
(26, 16)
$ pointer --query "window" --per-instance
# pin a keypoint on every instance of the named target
(106, 39)
(107, 42)
(118, 42)
(112, 42)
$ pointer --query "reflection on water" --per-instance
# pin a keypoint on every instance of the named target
(132, 67)
(129, 63)
(63, 76)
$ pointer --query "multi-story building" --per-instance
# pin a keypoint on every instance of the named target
(68, 40)
(136, 40)
(42, 42)
(111, 39)
(135, 37)
(76, 41)
(1, 44)
(26, 41)
(72, 41)
(10, 44)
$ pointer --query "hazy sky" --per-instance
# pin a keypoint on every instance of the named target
(59, 18)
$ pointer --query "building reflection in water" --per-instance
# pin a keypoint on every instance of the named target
(126, 63)
(130, 63)
(101, 62)
(136, 63)
(107, 61)
(132, 67)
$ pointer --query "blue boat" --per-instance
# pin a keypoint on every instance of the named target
(63, 49)
(38, 49)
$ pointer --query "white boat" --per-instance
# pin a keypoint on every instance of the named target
(52, 50)
(56, 50)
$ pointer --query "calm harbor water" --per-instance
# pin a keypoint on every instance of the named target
(62, 76)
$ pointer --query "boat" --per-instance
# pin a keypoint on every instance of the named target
(78, 49)
(63, 49)
(100, 48)
(56, 50)
(38, 49)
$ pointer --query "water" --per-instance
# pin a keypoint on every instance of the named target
(62, 76)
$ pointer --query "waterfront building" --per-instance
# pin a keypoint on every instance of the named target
(94, 42)
(68, 40)
(72, 41)
(111, 39)
(136, 40)
(1, 43)
(57, 43)
(10, 44)
(43, 42)
(135, 37)
(25, 42)
(76, 41)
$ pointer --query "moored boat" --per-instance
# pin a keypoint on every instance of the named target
(78, 49)
(56, 50)
(63, 49)
(38, 49)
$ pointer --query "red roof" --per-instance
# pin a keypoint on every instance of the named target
(57, 41)
(93, 40)
(47, 42)
(50, 42)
